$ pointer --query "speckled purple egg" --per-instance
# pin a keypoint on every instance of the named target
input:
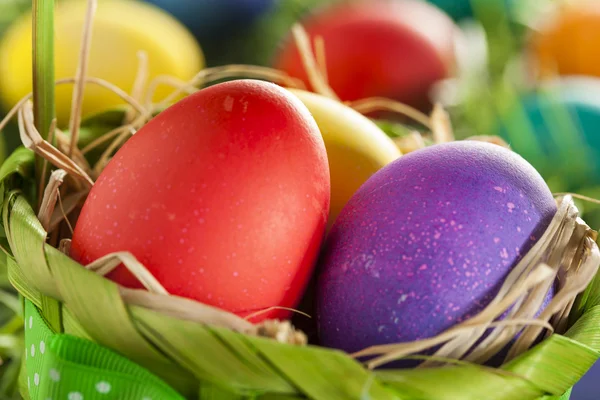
(427, 242)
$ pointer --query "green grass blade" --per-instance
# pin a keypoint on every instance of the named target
(43, 69)
(585, 330)
(555, 365)
(97, 305)
(324, 374)
(19, 162)
(465, 382)
(184, 341)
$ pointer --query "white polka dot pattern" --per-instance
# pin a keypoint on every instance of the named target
(103, 387)
(75, 396)
(54, 375)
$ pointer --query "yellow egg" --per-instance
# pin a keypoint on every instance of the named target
(356, 147)
(121, 29)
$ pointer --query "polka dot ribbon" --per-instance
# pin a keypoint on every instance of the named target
(64, 367)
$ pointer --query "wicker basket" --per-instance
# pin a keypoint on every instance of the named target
(70, 355)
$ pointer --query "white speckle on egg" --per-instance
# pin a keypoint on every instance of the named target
(228, 103)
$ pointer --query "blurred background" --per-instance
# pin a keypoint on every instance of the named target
(526, 70)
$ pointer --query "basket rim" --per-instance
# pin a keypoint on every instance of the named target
(24, 213)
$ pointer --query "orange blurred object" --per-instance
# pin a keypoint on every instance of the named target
(567, 41)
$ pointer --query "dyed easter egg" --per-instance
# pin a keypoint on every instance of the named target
(379, 48)
(427, 242)
(209, 18)
(356, 147)
(557, 126)
(566, 41)
(121, 29)
(224, 197)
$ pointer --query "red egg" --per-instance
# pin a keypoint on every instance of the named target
(379, 48)
(224, 197)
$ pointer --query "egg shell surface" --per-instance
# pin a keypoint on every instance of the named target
(426, 243)
(356, 146)
(121, 29)
(224, 197)
(393, 49)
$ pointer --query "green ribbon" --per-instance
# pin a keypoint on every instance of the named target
(65, 367)
(61, 366)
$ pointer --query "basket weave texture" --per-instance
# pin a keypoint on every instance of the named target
(161, 357)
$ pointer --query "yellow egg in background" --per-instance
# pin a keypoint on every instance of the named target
(120, 30)
(356, 146)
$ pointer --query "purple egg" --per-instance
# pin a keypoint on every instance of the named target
(427, 242)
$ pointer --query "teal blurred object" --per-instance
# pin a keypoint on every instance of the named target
(464, 9)
(556, 130)
(208, 19)
(256, 43)
(457, 9)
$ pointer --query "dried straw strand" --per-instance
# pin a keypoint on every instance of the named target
(317, 81)
(373, 104)
(32, 140)
(141, 78)
(441, 127)
(105, 265)
(77, 100)
(50, 196)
